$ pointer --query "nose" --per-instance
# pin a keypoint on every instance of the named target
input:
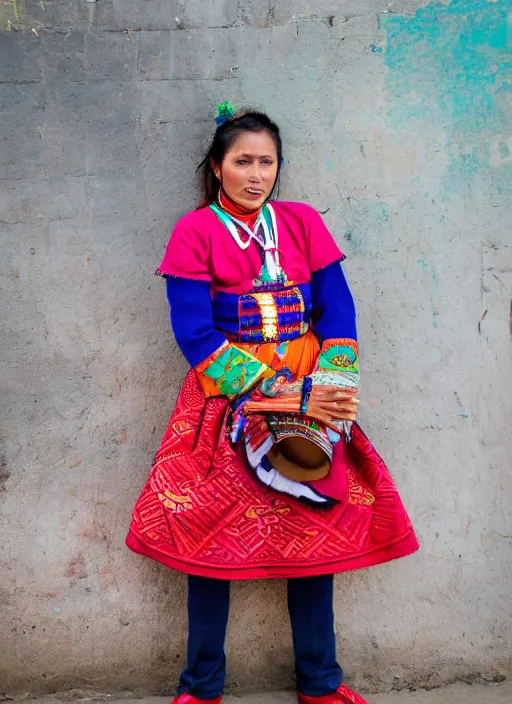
(255, 175)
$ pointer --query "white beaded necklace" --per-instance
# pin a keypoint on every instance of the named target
(269, 241)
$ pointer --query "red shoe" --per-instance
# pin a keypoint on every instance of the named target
(189, 699)
(343, 695)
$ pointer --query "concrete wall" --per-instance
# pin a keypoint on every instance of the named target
(396, 120)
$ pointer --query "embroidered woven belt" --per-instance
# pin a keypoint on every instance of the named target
(273, 316)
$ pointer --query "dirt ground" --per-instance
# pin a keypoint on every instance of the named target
(455, 694)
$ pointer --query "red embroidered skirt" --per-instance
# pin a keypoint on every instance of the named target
(203, 512)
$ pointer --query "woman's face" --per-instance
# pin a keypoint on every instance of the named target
(249, 169)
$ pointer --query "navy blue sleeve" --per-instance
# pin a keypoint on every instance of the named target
(192, 318)
(334, 313)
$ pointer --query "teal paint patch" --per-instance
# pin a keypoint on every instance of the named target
(379, 210)
(447, 64)
(504, 150)
(367, 226)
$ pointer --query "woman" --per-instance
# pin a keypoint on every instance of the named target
(262, 312)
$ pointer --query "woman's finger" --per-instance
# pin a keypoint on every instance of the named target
(331, 421)
(333, 392)
(339, 405)
(344, 415)
(332, 405)
(339, 412)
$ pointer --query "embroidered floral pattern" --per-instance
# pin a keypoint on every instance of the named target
(338, 365)
(339, 355)
(230, 371)
(239, 528)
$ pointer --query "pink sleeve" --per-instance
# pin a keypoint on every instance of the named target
(187, 251)
(322, 249)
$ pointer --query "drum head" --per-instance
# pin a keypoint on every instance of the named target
(299, 459)
(302, 452)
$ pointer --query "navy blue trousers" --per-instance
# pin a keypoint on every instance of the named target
(311, 613)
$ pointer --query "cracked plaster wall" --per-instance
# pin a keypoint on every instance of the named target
(396, 121)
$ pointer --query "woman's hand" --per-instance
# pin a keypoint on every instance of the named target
(328, 404)
(331, 405)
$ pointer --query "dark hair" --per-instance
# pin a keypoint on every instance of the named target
(242, 121)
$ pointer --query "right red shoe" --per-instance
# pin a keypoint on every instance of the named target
(189, 699)
(343, 695)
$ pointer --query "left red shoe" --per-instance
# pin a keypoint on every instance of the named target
(343, 695)
(189, 699)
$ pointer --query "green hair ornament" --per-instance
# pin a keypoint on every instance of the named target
(224, 112)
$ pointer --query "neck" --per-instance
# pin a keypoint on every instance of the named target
(237, 211)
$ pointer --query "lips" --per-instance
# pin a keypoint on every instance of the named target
(254, 191)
